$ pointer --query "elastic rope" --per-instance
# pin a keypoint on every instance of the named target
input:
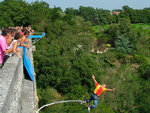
(59, 102)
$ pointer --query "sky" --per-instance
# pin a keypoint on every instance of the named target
(105, 4)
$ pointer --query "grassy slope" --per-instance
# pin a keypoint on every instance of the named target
(136, 26)
(143, 26)
(98, 28)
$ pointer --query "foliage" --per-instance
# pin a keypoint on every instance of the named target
(95, 16)
(113, 31)
(122, 44)
(135, 15)
(144, 100)
(101, 16)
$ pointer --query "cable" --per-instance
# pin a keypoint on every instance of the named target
(59, 102)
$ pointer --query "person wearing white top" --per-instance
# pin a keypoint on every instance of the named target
(14, 45)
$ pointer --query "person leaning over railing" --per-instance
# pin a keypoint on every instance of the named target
(3, 45)
(9, 40)
(14, 45)
(25, 40)
(13, 32)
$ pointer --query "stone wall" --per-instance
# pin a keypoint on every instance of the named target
(16, 93)
(11, 80)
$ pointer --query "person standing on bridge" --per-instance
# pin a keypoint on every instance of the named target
(97, 92)
(24, 39)
(4, 46)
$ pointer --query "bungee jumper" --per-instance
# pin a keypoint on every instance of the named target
(94, 96)
(97, 92)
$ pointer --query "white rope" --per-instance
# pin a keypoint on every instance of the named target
(59, 102)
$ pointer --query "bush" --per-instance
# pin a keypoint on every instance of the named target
(113, 31)
(139, 59)
(145, 71)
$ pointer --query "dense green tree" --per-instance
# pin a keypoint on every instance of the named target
(122, 44)
(113, 31)
(40, 15)
(135, 15)
(13, 13)
(71, 11)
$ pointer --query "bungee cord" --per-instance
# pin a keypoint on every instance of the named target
(59, 102)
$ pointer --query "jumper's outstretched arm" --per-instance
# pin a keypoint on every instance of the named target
(110, 89)
(94, 79)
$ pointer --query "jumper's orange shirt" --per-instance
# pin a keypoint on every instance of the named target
(99, 89)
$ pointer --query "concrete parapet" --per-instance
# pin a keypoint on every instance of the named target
(17, 94)
(11, 81)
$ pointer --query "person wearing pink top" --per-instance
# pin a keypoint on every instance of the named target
(3, 45)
